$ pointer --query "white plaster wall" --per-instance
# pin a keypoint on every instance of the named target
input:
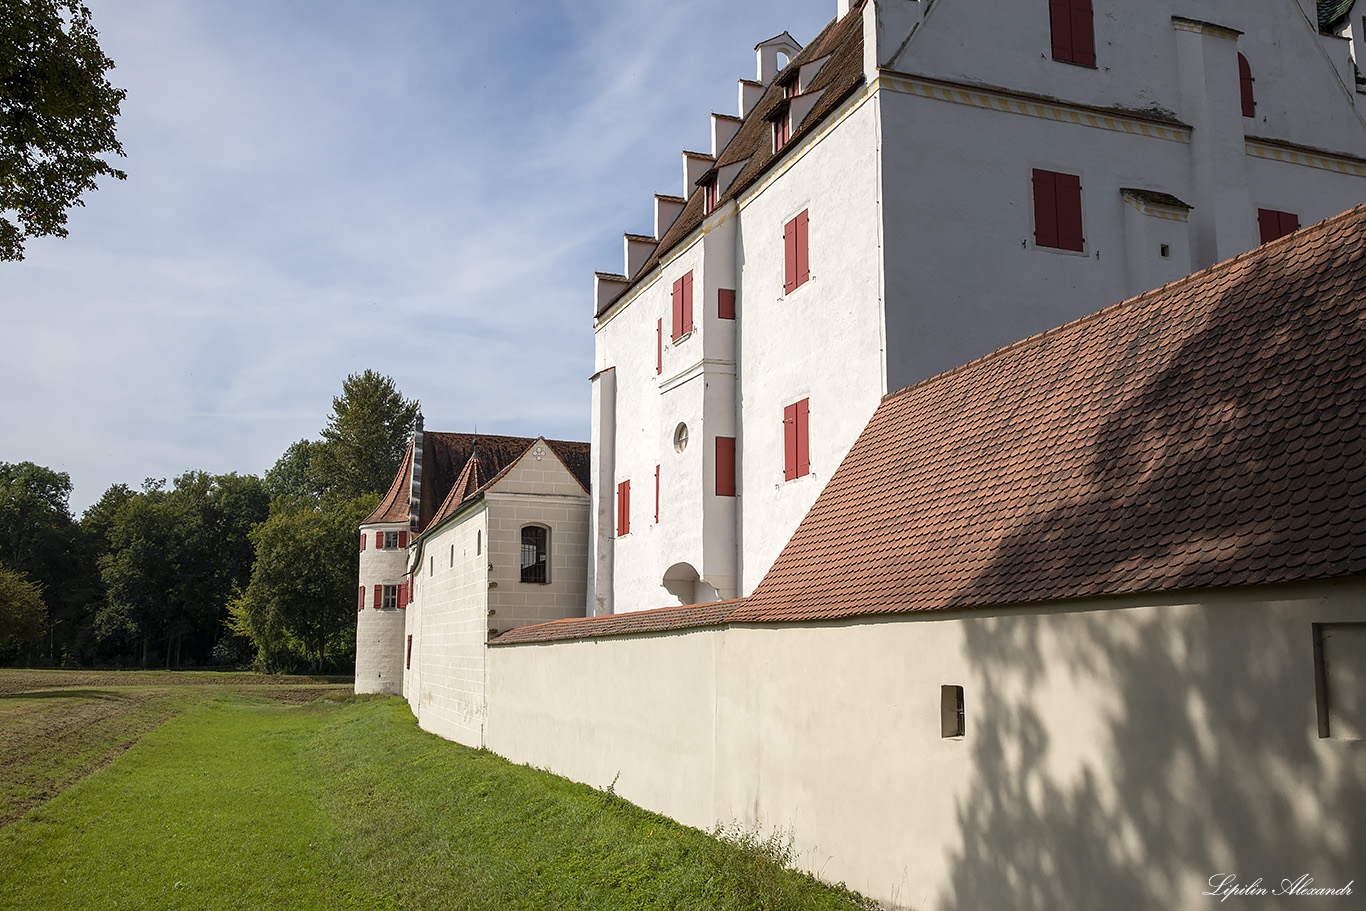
(448, 620)
(823, 341)
(1300, 95)
(379, 633)
(1119, 752)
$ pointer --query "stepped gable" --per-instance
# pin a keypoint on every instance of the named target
(842, 41)
(1210, 433)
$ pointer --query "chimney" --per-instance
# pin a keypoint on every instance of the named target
(767, 54)
(723, 130)
(667, 209)
(415, 489)
(750, 93)
(695, 164)
(638, 250)
(606, 287)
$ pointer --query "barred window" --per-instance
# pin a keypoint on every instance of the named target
(534, 554)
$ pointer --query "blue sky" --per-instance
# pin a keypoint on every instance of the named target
(316, 187)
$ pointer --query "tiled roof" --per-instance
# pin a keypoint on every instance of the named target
(1210, 433)
(445, 460)
(842, 41)
(659, 620)
(1332, 13)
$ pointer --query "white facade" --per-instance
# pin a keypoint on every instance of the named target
(468, 583)
(922, 247)
(1118, 753)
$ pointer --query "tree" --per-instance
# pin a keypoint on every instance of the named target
(39, 540)
(301, 602)
(292, 474)
(22, 612)
(175, 560)
(57, 114)
(365, 438)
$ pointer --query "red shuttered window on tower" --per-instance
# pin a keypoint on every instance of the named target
(379, 596)
(796, 261)
(403, 539)
(796, 441)
(725, 303)
(379, 540)
(682, 307)
(362, 540)
(362, 598)
(1074, 33)
(1245, 80)
(1057, 211)
(1275, 225)
(725, 466)
(624, 508)
(403, 595)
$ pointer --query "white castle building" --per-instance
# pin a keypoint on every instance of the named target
(888, 210)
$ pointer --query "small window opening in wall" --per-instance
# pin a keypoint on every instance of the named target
(391, 539)
(431, 566)
(390, 598)
(452, 555)
(680, 437)
(408, 654)
(1165, 250)
(952, 722)
(1340, 680)
(534, 554)
(478, 541)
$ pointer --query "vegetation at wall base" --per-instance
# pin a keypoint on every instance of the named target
(343, 803)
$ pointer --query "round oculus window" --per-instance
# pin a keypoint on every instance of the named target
(680, 437)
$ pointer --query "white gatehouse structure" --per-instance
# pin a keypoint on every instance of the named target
(897, 534)
(921, 184)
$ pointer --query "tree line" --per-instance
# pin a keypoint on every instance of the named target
(206, 570)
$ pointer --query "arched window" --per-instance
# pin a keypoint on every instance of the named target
(1245, 80)
(535, 554)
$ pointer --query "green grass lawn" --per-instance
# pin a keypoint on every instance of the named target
(343, 803)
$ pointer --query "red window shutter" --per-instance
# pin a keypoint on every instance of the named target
(1270, 224)
(362, 597)
(725, 303)
(803, 442)
(403, 594)
(687, 303)
(1060, 20)
(790, 256)
(676, 326)
(403, 539)
(1045, 209)
(656, 494)
(1275, 225)
(1083, 33)
(379, 596)
(1290, 223)
(725, 466)
(659, 347)
(803, 260)
(379, 540)
(789, 442)
(1069, 212)
(362, 540)
(624, 508)
(1245, 80)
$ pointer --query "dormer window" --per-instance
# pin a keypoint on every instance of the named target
(709, 194)
(782, 114)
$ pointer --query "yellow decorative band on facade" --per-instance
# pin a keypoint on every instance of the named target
(994, 101)
(1158, 211)
(1354, 167)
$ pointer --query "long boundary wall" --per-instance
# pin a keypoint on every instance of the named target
(1119, 753)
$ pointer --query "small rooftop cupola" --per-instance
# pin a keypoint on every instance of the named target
(768, 53)
(415, 490)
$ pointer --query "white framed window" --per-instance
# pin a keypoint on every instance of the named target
(535, 554)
